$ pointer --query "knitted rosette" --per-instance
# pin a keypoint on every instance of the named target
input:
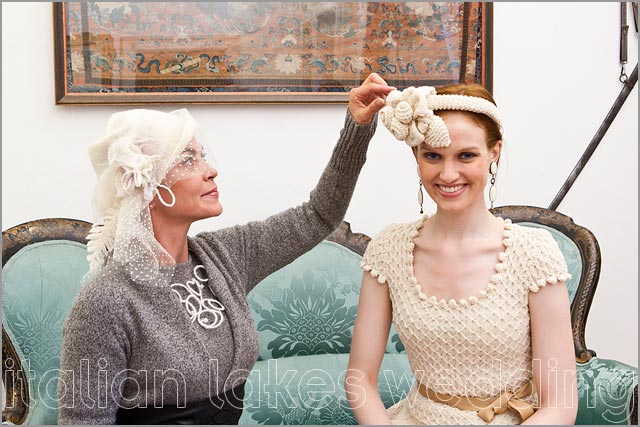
(409, 114)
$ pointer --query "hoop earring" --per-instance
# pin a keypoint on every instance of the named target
(173, 196)
(493, 191)
(420, 195)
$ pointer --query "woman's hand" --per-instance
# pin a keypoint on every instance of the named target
(368, 98)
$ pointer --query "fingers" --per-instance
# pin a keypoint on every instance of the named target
(369, 91)
(365, 115)
(368, 98)
(375, 78)
(374, 107)
(380, 89)
(374, 85)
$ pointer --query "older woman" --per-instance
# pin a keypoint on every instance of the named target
(480, 304)
(162, 332)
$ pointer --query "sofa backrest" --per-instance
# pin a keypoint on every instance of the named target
(43, 263)
(309, 306)
(305, 308)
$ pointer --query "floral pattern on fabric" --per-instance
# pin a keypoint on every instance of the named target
(309, 319)
(307, 390)
(40, 283)
(604, 389)
(309, 306)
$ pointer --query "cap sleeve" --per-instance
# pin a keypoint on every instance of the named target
(376, 257)
(546, 264)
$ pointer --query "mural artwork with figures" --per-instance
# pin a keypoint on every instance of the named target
(135, 52)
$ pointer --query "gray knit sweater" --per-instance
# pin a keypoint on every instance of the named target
(127, 345)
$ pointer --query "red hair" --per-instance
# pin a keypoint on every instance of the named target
(491, 128)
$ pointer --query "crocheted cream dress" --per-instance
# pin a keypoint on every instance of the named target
(479, 346)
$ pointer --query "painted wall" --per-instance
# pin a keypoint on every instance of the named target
(555, 78)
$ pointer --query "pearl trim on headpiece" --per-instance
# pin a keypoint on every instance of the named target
(409, 114)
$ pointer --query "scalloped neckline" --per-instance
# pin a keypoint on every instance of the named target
(495, 279)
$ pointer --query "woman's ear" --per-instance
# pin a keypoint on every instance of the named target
(495, 151)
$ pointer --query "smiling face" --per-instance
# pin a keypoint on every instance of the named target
(455, 176)
(192, 181)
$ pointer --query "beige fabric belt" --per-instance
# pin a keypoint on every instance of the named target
(487, 407)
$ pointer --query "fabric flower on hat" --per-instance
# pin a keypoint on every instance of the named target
(136, 161)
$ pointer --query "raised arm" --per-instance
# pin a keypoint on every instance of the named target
(367, 350)
(262, 247)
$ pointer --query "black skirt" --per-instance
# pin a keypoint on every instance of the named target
(225, 408)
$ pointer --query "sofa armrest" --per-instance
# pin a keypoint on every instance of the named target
(606, 392)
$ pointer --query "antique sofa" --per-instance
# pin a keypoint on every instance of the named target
(304, 314)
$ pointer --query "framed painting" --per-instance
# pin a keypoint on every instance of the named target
(262, 52)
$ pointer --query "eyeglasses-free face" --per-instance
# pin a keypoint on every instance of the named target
(455, 176)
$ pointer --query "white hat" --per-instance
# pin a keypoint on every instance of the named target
(131, 161)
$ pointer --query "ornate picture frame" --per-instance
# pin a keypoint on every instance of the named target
(262, 52)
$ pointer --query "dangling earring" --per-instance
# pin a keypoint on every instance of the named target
(173, 196)
(420, 195)
(493, 191)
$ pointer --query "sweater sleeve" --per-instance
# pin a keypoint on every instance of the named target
(546, 263)
(259, 248)
(94, 351)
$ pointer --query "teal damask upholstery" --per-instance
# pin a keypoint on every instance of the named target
(310, 389)
(304, 313)
(309, 307)
(39, 284)
(604, 390)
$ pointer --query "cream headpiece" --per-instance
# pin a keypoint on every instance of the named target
(132, 160)
(409, 116)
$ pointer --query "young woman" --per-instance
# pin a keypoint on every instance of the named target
(162, 332)
(480, 304)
